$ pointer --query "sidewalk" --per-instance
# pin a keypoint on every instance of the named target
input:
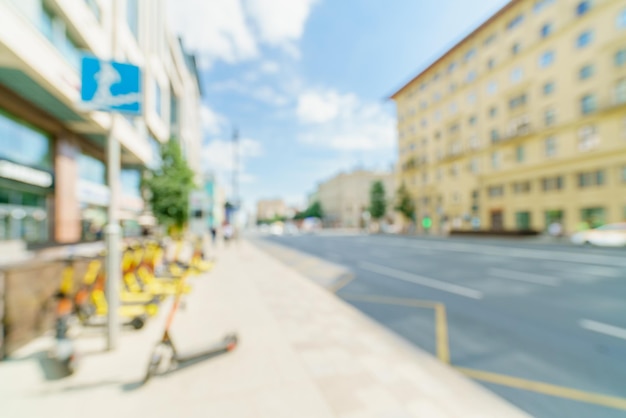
(303, 353)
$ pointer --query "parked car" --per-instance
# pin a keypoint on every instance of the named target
(277, 228)
(610, 235)
(291, 228)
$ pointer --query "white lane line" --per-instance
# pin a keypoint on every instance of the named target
(421, 280)
(606, 329)
(524, 277)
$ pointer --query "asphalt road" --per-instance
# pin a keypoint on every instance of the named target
(520, 314)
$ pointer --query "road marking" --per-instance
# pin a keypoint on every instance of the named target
(342, 282)
(421, 280)
(601, 328)
(441, 323)
(441, 330)
(524, 277)
(545, 388)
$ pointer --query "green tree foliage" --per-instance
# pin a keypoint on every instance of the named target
(378, 204)
(313, 211)
(170, 185)
(404, 203)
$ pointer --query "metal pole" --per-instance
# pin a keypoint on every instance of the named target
(112, 230)
(235, 174)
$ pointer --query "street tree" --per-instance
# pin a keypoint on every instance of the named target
(315, 210)
(405, 204)
(378, 204)
(170, 184)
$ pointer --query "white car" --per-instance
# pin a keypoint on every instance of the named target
(610, 235)
(277, 229)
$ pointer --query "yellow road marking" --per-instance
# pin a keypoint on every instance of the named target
(342, 283)
(545, 388)
(441, 325)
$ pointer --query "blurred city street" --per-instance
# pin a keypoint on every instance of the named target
(550, 313)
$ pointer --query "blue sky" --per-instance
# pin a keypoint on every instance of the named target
(307, 81)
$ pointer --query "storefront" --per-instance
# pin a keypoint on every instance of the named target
(26, 181)
(93, 197)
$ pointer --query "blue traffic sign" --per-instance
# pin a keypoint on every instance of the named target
(111, 86)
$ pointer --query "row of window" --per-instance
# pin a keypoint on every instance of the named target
(582, 180)
(583, 40)
(583, 73)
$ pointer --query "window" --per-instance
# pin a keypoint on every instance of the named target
(522, 220)
(546, 30)
(451, 67)
(515, 22)
(490, 39)
(495, 191)
(423, 86)
(590, 179)
(424, 105)
(493, 111)
(550, 146)
(495, 160)
(585, 72)
(546, 59)
(516, 48)
(594, 217)
(438, 115)
(584, 39)
(132, 16)
(436, 76)
(491, 63)
(583, 7)
(624, 174)
(453, 108)
(158, 99)
(473, 142)
(91, 169)
(492, 87)
(519, 154)
(472, 120)
(620, 58)
(470, 54)
(549, 117)
(548, 88)
(95, 9)
(439, 174)
(552, 183)
(454, 128)
(588, 104)
(620, 22)
(424, 122)
(437, 96)
(587, 138)
(454, 170)
(471, 76)
(494, 135)
(452, 87)
(473, 166)
(437, 135)
(620, 91)
(517, 74)
(521, 187)
(541, 4)
(23, 144)
(517, 101)
(471, 98)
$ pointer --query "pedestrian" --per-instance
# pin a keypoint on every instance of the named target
(213, 235)
(228, 233)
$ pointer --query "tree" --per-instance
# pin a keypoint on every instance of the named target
(315, 210)
(170, 185)
(405, 204)
(378, 205)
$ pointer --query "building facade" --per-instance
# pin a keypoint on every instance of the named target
(53, 184)
(523, 122)
(346, 197)
(268, 209)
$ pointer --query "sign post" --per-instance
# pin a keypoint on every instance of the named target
(112, 87)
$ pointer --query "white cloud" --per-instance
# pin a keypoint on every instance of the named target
(343, 122)
(269, 67)
(233, 30)
(212, 122)
(218, 157)
(269, 95)
(279, 21)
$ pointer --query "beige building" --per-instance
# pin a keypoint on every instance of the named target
(270, 208)
(346, 196)
(523, 122)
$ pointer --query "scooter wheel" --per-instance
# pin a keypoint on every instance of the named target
(138, 323)
(153, 367)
